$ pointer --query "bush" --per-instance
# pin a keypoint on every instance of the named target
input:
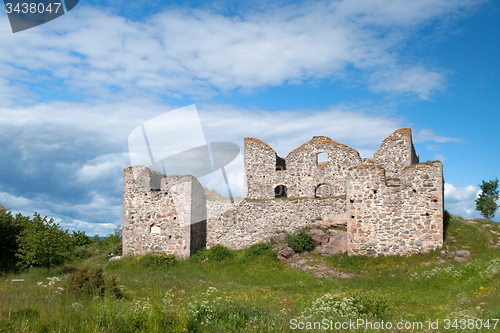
(82, 252)
(259, 248)
(92, 283)
(216, 253)
(300, 241)
(166, 259)
(152, 260)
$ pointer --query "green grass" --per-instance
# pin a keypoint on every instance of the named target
(254, 292)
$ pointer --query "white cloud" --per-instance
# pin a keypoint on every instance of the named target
(439, 157)
(102, 214)
(102, 167)
(415, 80)
(197, 52)
(425, 135)
(459, 200)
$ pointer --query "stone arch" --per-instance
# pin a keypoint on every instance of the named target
(280, 191)
(322, 190)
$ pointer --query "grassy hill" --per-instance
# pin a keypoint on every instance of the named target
(251, 291)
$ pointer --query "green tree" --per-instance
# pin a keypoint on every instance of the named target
(112, 243)
(79, 238)
(486, 202)
(42, 242)
(10, 228)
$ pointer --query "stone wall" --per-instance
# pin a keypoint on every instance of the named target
(162, 214)
(395, 216)
(300, 171)
(253, 221)
(396, 152)
(391, 203)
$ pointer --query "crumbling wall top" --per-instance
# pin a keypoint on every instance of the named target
(321, 140)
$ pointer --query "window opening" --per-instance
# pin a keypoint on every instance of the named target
(280, 191)
(280, 163)
(322, 159)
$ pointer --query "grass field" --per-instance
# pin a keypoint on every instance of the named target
(258, 293)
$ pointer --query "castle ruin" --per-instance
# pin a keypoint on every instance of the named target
(391, 204)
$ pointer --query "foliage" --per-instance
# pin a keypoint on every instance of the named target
(43, 243)
(85, 283)
(157, 260)
(486, 203)
(166, 259)
(216, 253)
(259, 248)
(112, 243)
(82, 252)
(79, 238)
(10, 228)
(300, 241)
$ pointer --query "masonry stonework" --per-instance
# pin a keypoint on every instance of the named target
(162, 214)
(391, 204)
(253, 221)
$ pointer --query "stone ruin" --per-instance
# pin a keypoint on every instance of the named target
(390, 204)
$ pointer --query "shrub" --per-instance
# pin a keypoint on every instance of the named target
(82, 252)
(92, 283)
(152, 260)
(259, 248)
(300, 241)
(166, 259)
(216, 253)
(220, 253)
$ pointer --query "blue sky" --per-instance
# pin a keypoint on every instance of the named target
(73, 89)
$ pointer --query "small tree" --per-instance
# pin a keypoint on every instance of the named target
(10, 228)
(79, 238)
(486, 202)
(42, 242)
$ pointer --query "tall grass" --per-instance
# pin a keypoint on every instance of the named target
(252, 291)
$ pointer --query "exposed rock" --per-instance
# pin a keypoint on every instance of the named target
(338, 223)
(461, 259)
(302, 262)
(337, 243)
(298, 264)
(277, 249)
(276, 239)
(328, 224)
(343, 275)
(318, 237)
(320, 275)
(115, 258)
(281, 258)
(494, 246)
(330, 249)
(463, 253)
(437, 262)
(286, 253)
